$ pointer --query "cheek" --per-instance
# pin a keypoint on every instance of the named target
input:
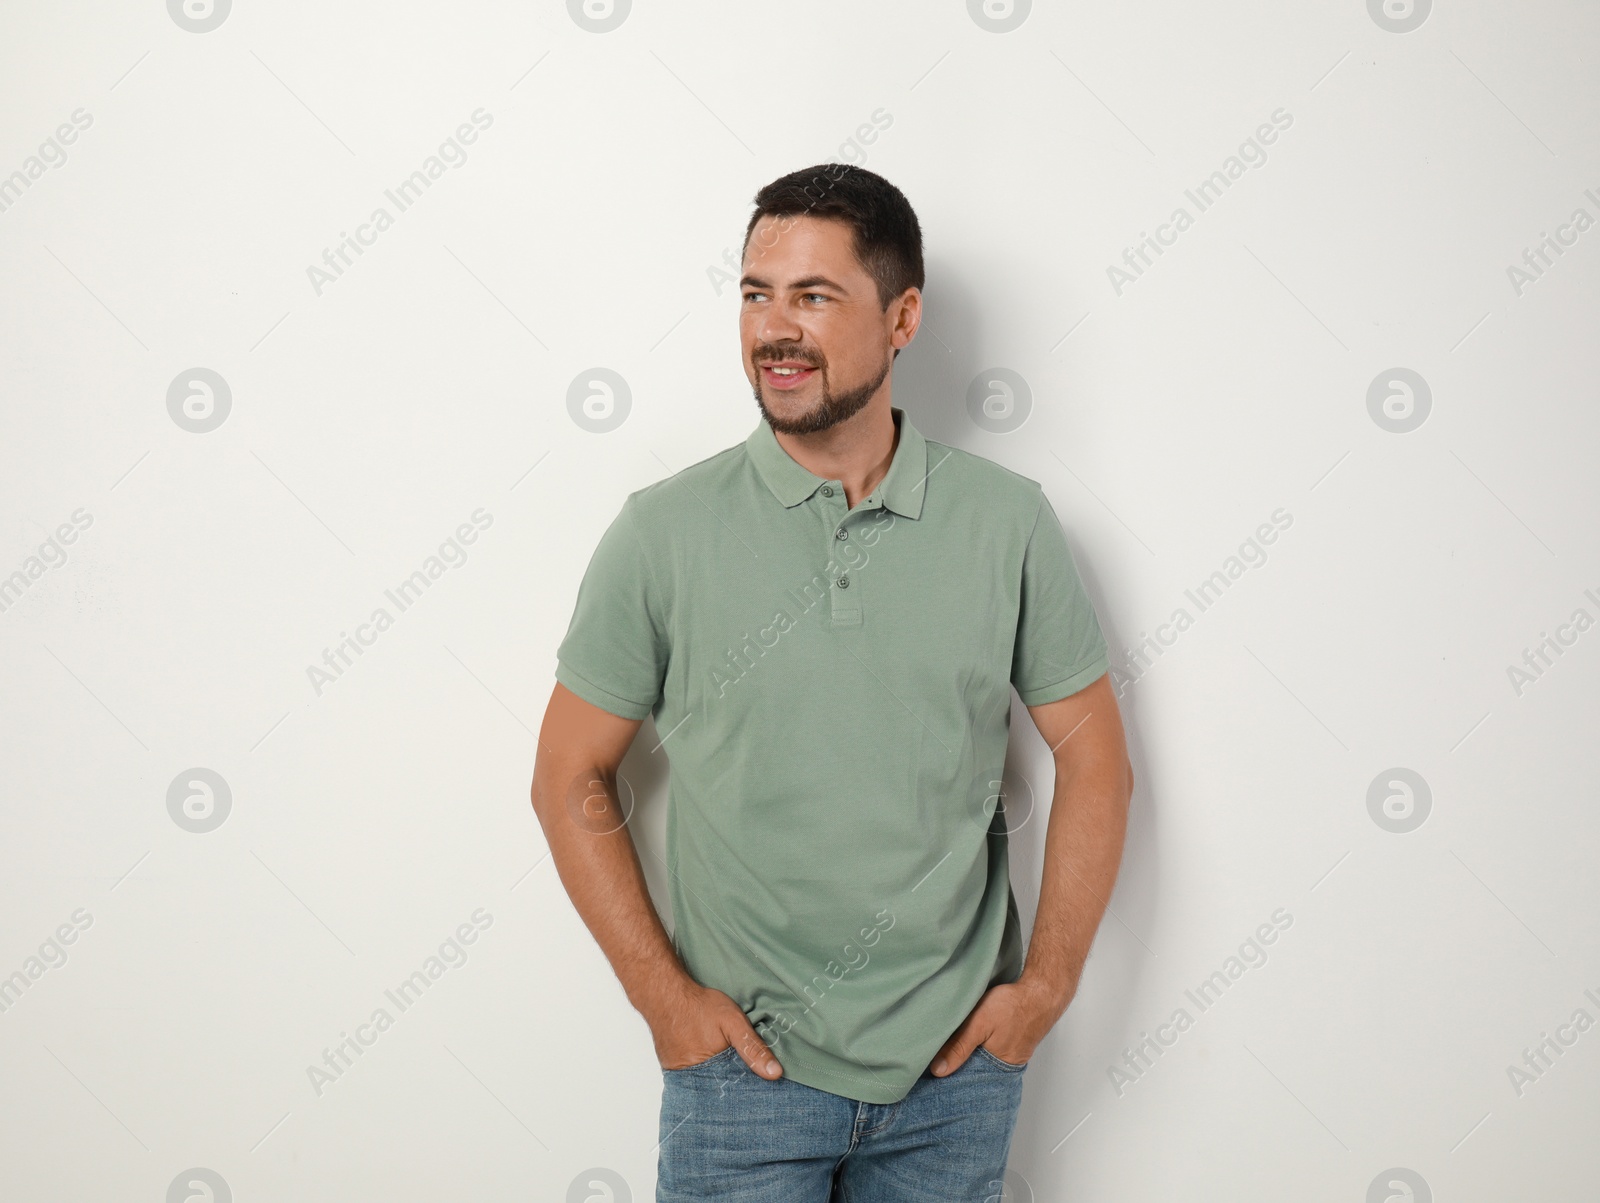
(852, 351)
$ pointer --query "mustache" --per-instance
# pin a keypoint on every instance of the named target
(768, 353)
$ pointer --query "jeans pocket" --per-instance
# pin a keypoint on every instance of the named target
(1005, 1065)
(714, 1059)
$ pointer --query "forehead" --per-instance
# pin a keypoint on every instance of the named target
(797, 246)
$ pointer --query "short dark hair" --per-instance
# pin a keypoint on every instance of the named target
(887, 237)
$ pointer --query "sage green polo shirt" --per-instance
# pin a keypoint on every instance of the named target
(832, 690)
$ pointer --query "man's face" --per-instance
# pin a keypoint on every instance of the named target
(816, 344)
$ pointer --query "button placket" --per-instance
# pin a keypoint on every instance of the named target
(844, 593)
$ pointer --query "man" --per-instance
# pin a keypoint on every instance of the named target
(826, 622)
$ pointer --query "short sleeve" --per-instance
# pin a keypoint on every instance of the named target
(1059, 648)
(615, 652)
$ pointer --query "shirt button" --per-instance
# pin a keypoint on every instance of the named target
(844, 582)
(827, 490)
(840, 533)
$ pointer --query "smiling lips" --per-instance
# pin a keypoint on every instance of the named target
(787, 374)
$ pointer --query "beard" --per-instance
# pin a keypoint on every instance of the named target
(831, 409)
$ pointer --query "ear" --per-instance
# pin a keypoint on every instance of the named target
(905, 314)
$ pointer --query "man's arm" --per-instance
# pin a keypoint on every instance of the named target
(1082, 851)
(575, 798)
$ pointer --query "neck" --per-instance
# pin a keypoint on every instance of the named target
(857, 452)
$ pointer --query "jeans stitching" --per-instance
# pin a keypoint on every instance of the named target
(715, 1057)
(1005, 1065)
(888, 1119)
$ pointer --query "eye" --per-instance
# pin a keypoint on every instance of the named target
(816, 295)
(752, 296)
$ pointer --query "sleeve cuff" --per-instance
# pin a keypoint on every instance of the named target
(1065, 688)
(596, 696)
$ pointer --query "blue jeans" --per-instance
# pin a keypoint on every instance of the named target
(727, 1133)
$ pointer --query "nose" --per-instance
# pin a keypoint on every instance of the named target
(777, 325)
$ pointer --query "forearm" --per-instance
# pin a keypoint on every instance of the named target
(1083, 850)
(578, 808)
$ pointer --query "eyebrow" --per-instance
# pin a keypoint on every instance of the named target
(808, 282)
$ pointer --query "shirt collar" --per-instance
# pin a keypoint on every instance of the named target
(901, 489)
